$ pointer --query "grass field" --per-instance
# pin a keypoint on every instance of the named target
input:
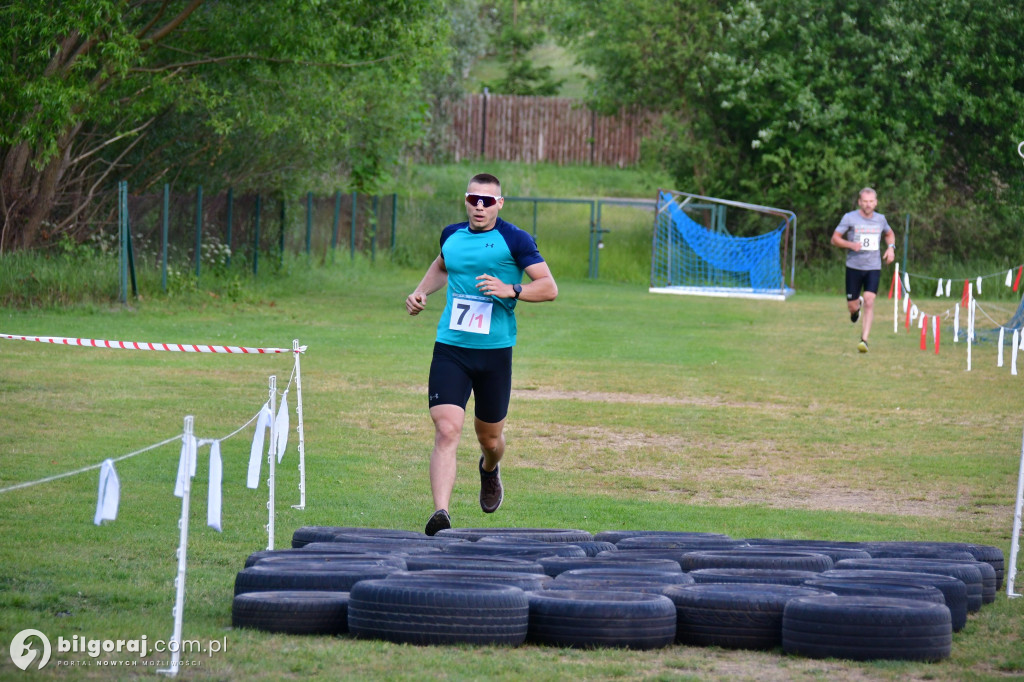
(630, 410)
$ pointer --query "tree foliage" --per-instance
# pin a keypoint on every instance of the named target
(800, 103)
(223, 92)
(518, 27)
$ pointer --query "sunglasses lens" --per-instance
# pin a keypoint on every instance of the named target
(474, 199)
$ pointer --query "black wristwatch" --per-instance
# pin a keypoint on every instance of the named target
(518, 288)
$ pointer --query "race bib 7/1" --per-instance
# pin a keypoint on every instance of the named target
(471, 314)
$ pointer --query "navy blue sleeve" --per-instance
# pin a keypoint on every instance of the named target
(520, 244)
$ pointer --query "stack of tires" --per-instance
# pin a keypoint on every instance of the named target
(633, 589)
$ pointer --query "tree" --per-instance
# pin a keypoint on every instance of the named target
(800, 103)
(222, 91)
(520, 28)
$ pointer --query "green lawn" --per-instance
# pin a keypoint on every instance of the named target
(630, 410)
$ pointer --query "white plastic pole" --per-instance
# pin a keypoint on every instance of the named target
(179, 581)
(302, 442)
(1015, 538)
(896, 301)
(970, 323)
(272, 460)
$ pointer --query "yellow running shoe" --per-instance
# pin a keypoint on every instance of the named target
(862, 346)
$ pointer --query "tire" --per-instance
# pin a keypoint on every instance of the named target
(419, 540)
(743, 558)
(307, 534)
(954, 591)
(527, 582)
(765, 576)
(735, 616)
(371, 547)
(303, 554)
(472, 563)
(441, 612)
(674, 542)
(632, 555)
(614, 536)
(925, 553)
(953, 551)
(785, 542)
(555, 565)
(334, 560)
(508, 549)
(879, 587)
(322, 577)
(588, 619)
(834, 553)
(544, 534)
(653, 583)
(589, 547)
(866, 628)
(968, 573)
(621, 572)
(993, 556)
(594, 547)
(294, 612)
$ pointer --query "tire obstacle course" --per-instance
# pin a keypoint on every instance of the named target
(626, 589)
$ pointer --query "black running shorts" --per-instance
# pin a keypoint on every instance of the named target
(486, 372)
(858, 280)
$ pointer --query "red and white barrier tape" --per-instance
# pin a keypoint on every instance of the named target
(136, 345)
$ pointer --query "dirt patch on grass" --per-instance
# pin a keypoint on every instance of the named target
(634, 398)
(724, 472)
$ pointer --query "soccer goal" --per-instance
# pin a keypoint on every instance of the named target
(688, 257)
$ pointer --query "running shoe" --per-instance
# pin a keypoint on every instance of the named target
(862, 346)
(439, 521)
(491, 492)
(855, 315)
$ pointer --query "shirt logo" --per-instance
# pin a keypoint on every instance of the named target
(489, 246)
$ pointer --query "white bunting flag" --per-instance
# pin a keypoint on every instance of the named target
(913, 313)
(213, 499)
(109, 493)
(1002, 333)
(920, 321)
(186, 464)
(906, 282)
(281, 427)
(256, 452)
(906, 303)
(938, 292)
(979, 285)
(1009, 277)
(948, 282)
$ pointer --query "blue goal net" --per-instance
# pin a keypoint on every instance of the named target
(691, 258)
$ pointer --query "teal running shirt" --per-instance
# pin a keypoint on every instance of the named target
(470, 319)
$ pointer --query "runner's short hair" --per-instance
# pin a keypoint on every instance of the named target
(486, 179)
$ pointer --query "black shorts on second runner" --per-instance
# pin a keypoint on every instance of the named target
(455, 372)
(858, 280)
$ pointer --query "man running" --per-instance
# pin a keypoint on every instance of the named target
(482, 262)
(863, 233)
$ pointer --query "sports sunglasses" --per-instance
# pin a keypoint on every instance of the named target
(473, 199)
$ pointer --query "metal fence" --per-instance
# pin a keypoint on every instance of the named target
(182, 236)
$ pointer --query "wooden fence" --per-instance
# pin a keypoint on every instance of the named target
(557, 130)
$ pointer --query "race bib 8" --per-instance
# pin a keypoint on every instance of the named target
(471, 314)
(869, 241)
